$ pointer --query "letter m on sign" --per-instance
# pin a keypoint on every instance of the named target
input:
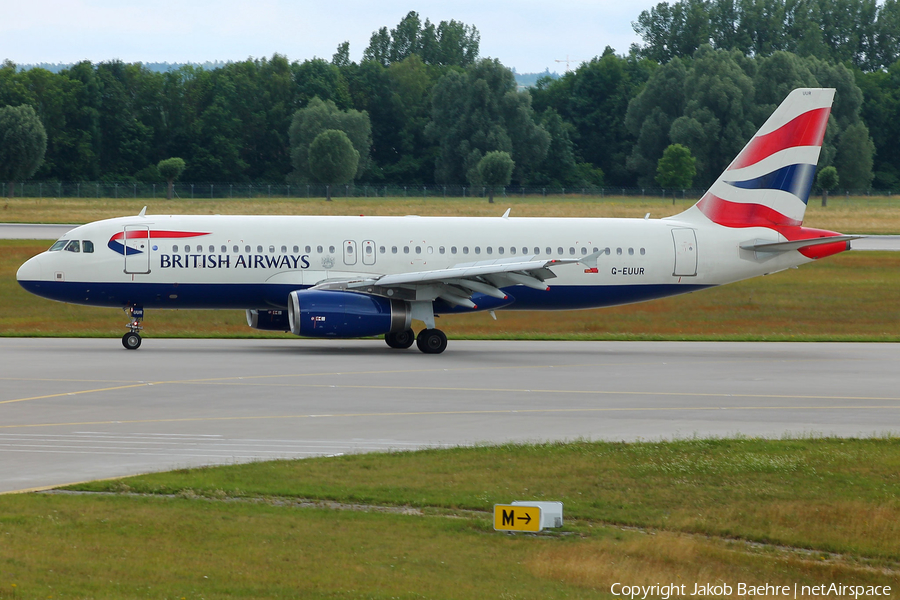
(509, 518)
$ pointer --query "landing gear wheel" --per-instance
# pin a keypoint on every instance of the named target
(401, 339)
(431, 341)
(131, 341)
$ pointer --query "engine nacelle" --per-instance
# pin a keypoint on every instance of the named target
(268, 320)
(339, 314)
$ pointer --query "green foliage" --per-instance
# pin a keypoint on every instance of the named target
(23, 142)
(448, 43)
(828, 179)
(495, 170)
(170, 169)
(318, 117)
(860, 32)
(332, 158)
(676, 168)
(480, 111)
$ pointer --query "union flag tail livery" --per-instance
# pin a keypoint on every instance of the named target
(344, 277)
(769, 182)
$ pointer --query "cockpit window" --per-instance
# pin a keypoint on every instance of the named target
(87, 246)
(73, 246)
(58, 245)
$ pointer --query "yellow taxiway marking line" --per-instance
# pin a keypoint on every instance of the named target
(505, 411)
(240, 381)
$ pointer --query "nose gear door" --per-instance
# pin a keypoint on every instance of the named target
(137, 249)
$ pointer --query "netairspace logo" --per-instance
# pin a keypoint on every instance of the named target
(667, 591)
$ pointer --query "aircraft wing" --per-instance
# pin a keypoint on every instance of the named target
(457, 284)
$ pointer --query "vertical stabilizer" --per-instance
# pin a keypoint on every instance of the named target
(768, 184)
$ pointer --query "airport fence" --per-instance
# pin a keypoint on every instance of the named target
(185, 190)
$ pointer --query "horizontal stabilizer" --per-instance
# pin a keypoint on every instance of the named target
(796, 244)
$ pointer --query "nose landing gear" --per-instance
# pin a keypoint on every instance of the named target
(132, 339)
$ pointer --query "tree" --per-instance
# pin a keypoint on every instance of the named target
(170, 169)
(23, 142)
(332, 159)
(480, 111)
(495, 169)
(827, 180)
(676, 168)
(319, 116)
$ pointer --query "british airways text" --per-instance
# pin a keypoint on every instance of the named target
(226, 261)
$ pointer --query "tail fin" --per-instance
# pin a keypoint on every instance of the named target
(768, 184)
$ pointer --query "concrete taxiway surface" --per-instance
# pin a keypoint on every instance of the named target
(77, 409)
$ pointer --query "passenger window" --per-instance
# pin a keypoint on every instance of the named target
(284, 249)
(571, 251)
(393, 249)
(619, 251)
(500, 249)
(369, 250)
(452, 249)
(631, 252)
(187, 248)
(235, 249)
(643, 251)
(477, 249)
(349, 249)
(607, 251)
(247, 249)
(490, 250)
(418, 249)
(331, 249)
(259, 249)
(405, 249)
(441, 249)
(175, 248)
(87, 246)
(536, 250)
(549, 250)
(319, 249)
(583, 251)
(559, 250)
(296, 249)
(271, 249)
(429, 249)
(212, 248)
(73, 246)
(224, 248)
(465, 249)
(308, 249)
(512, 250)
(382, 249)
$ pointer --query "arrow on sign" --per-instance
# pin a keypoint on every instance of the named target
(526, 518)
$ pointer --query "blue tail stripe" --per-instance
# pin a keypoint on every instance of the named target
(794, 179)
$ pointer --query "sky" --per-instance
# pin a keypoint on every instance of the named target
(527, 35)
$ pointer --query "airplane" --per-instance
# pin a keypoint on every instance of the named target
(348, 277)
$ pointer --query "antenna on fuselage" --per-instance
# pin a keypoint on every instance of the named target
(506, 214)
(143, 212)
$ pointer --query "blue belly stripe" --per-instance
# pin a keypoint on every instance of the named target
(269, 295)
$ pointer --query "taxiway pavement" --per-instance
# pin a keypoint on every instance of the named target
(79, 409)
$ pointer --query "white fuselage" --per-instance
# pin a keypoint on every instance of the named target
(254, 262)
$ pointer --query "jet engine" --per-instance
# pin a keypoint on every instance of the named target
(268, 320)
(340, 314)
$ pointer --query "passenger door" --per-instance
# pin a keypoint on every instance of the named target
(685, 252)
(137, 249)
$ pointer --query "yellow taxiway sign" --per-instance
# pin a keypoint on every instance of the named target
(517, 518)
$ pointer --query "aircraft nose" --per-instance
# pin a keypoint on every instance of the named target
(30, 270)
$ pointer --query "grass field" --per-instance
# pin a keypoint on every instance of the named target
(856, 214)
(852, 296)
(782, 512)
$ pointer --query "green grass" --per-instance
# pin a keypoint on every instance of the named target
(823, 510)
(849, 297)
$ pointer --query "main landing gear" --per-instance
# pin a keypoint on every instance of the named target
(429, 341)
(132, 339)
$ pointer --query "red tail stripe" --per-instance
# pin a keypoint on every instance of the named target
(806, 130)
(737, 214)
(142, 233)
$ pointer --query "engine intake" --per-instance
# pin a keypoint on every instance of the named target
(339, 314)
(268, 320)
